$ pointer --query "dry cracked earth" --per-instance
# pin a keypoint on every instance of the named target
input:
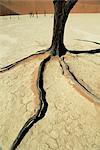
(72, 120)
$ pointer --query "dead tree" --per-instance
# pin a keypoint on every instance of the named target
(62, 9)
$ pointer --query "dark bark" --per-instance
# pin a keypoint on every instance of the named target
(41, 110)
(95, 51)
(62, 9)
(8, 67)
(98, 43)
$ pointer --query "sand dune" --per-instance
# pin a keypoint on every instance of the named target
(33, 6)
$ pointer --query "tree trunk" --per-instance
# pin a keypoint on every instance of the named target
(61, 12)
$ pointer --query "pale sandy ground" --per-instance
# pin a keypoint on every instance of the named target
(24, 36)
(72, 121)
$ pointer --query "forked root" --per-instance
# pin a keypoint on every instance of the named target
(67, 73)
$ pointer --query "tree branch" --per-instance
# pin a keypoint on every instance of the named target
(69, 4)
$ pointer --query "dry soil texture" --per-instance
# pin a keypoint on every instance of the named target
(72, 121)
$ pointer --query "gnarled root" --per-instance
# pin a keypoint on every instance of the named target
(8, 67)
(42, 106)
(67, 72)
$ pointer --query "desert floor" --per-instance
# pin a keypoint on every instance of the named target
(72, 120)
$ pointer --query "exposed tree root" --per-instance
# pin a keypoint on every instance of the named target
(95, 51)
(42, 106)
(42, 94)
(89, 41)
(66, 67)
(8, 67)
(62, 9)
(86, 51)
